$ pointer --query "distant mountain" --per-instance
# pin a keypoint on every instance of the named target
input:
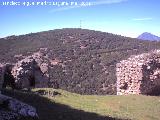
(148, 36)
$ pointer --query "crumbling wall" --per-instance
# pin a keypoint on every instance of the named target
(12, 109)
(32, 71)
(139, 74)
(6, 77)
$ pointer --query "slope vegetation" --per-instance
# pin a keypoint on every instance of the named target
(83, 60)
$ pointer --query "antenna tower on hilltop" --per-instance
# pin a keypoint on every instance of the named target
(80, 24)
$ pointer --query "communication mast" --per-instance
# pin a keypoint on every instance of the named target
(80, 25)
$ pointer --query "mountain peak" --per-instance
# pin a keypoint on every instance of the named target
(148, 36)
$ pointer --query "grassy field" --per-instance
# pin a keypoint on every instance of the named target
(71, 106)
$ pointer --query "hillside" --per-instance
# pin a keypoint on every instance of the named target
(63, 105)
(84, 59)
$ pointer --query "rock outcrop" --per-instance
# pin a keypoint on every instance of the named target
(32, 71)
(139, 74)
(12, 109)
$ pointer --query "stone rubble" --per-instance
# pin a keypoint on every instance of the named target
(8, 115)
(16, 107)
(139, 74)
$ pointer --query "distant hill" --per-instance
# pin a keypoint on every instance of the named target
(148, 36)
(85, 59)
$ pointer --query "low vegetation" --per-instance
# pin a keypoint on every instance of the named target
(86, 59)
(62, 105)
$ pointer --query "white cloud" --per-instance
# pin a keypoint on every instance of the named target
(142, 19)
(94, 3)
(103, 2)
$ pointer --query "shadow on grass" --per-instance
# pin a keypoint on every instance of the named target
(48, 110)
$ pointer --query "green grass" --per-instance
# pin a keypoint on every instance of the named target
(134, 107)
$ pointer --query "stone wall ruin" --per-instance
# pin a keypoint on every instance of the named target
(10, 108)
(32, 71)
(6, 77)
(1, 75)
(139, 74)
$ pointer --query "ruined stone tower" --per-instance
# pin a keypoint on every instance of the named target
(139, 74)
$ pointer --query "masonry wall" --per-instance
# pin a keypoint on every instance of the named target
(1, 75)
(139, 74)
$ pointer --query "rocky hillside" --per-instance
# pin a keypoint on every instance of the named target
(83, 61)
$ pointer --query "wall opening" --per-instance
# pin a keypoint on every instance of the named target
(124, 86)
(155, 91)
(32, 81)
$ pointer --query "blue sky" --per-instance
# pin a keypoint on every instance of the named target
(125, 17)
